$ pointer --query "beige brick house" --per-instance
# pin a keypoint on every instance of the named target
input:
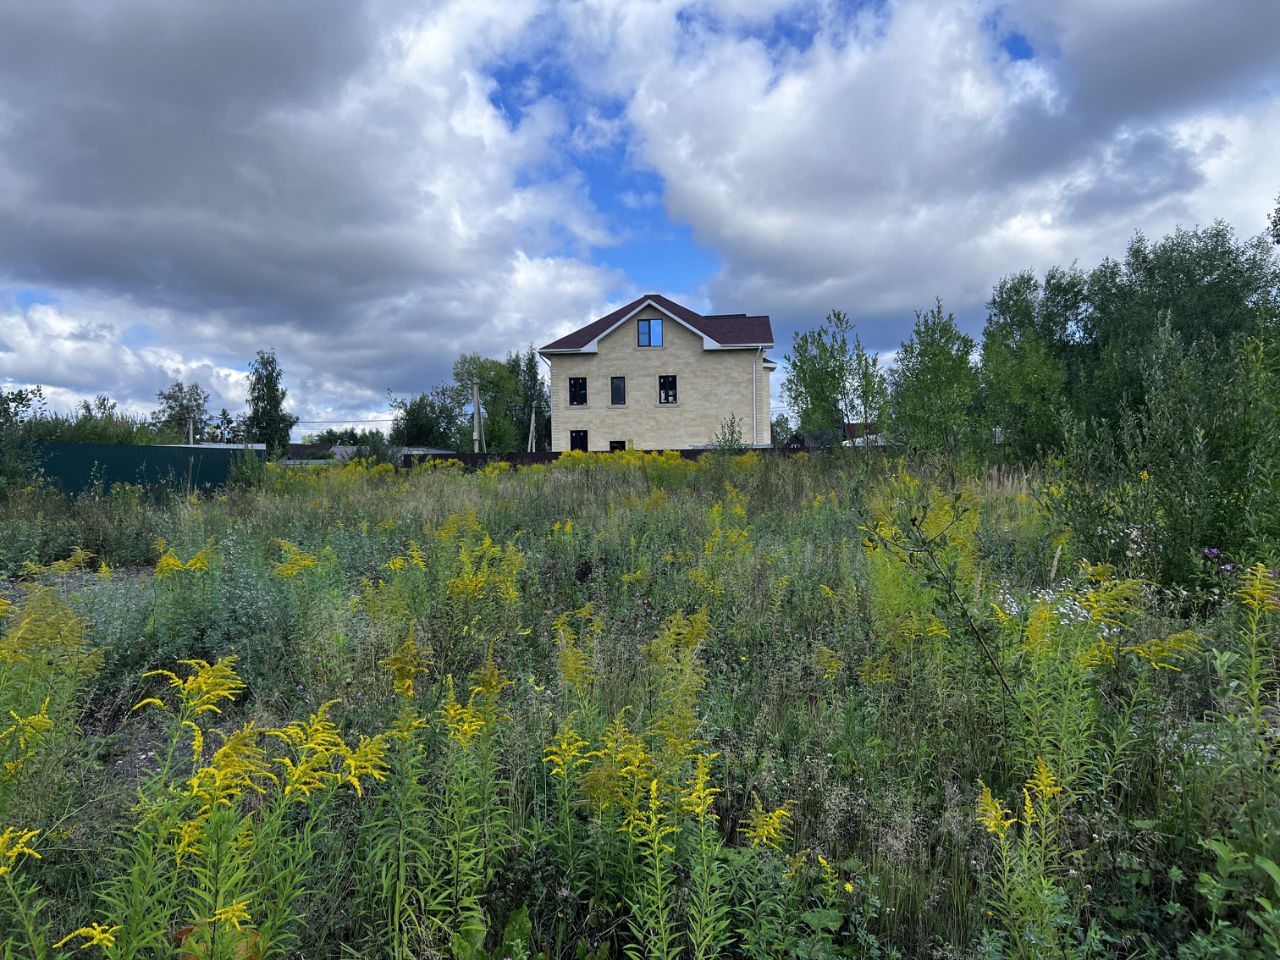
(654, 375)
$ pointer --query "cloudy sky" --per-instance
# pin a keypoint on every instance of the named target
(370, 188)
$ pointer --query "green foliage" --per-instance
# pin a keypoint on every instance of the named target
(267, 420)
(819, 372)
(427, 420)
(636, 705)
(184, 410)
(1022, 383)
(934, 386)
(17, 455)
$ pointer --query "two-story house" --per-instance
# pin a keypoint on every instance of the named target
(654, 375)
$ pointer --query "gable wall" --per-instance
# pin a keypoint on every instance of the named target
(711, 385)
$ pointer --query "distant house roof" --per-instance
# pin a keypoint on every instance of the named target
(719, 331)
(856, 431)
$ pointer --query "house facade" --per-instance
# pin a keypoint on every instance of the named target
(655, 375)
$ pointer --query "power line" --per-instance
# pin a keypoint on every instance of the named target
(387, 420)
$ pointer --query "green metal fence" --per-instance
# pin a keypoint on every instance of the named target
(75, 466)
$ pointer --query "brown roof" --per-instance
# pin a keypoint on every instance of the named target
(726, 329)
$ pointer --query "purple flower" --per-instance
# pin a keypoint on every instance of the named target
(1212, 554)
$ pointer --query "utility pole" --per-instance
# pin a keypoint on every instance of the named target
(532, 418)
(477, 421)
(191, 431)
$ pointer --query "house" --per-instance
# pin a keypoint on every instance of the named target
(654, 375)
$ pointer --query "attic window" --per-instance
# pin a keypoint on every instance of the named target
(649, 332)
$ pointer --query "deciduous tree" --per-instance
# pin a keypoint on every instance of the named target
(267, 421)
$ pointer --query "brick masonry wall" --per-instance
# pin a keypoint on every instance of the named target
(711, 385)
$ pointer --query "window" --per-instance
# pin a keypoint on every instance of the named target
(577, 391)
(618, 391)
(649, 333)
(578, 440)
(667, 388)
(616, 446)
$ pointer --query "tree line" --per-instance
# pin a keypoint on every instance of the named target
(513, 399)
(1150, 382)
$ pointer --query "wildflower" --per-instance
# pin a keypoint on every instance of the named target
(13, 844)
(1259, 590)
(767, 828)
(104, 571)
(317, 745)
(1028, 809)
(368, 759)
(699, 795)
(96, 935)
(565, 753)
(1160, 652)
(462, 722)
(6, 607)
(848, 887)
(233, 913)
(993, 814)
(828, 663)
(1042, 782)
(22, 732)
(407, 662)
(207, 685)
(1143, 476)
(239, 765)
(295, 561)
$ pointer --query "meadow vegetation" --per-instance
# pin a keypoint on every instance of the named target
(633, 705)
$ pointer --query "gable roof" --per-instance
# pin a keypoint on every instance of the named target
(719, 331)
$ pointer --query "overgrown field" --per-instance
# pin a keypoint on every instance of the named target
(627, 705)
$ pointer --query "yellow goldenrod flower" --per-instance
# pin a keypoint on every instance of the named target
(6, 607)
(828, 663)
(168, 565)
(317, 745)
(767, 828)
(407, 662)
(1042, 782)
(875, 670)
(993, 814)
(1160, 652)
(96, 935)
(202, 690)
(565, 753)
(234, 914)
(295, 560)
(848, 887)
(197, 738)
(239, 765)
(1259, 590)
(368, 759)
(1040, 624)
(462, 722)
(13, 844)
(104, 571)
(1028, 809)
(416, 555)
(699, 795)
(1100, 653)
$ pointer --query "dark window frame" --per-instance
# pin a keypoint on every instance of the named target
(668, 393)
(582, 397)
(614, 384)
(573, 440)
(617, 446)
(645, 330)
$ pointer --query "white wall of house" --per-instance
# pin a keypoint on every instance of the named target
(711, 386)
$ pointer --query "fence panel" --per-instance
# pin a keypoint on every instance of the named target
(76, 466)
